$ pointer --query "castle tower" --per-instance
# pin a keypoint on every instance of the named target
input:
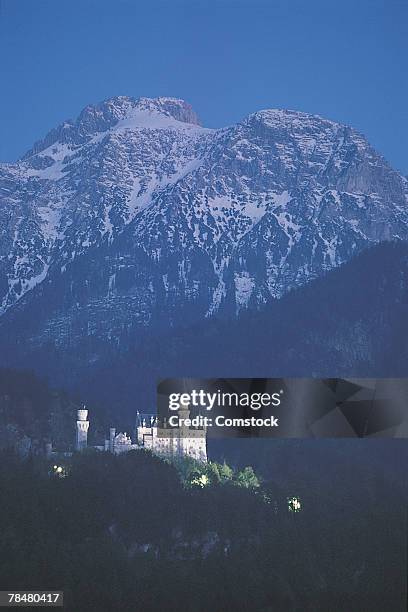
(112, 435)
(82, 430)
(192, 441)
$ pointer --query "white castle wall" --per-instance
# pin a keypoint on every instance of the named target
(172, 443)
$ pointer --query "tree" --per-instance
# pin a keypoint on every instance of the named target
(247, 478)
(226, 473)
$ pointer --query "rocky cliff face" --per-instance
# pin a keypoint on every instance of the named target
(135, 215)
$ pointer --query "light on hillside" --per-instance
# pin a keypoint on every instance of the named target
(294, 504)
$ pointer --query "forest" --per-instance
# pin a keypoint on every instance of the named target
(135, 532)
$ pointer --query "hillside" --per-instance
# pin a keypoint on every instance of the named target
(120, 530)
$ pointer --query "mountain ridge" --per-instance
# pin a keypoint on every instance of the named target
(135, 215)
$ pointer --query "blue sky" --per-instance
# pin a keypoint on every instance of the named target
(342, 59)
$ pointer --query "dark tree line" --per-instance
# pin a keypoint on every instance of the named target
(126, 533)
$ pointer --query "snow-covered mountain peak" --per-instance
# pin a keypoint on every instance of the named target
(280, 117)
(117, 112)
(233, 216)
(170, 107)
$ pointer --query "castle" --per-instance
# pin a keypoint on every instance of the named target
(164, 441)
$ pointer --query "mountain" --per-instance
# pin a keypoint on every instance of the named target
(134, 217)
(351, 322)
